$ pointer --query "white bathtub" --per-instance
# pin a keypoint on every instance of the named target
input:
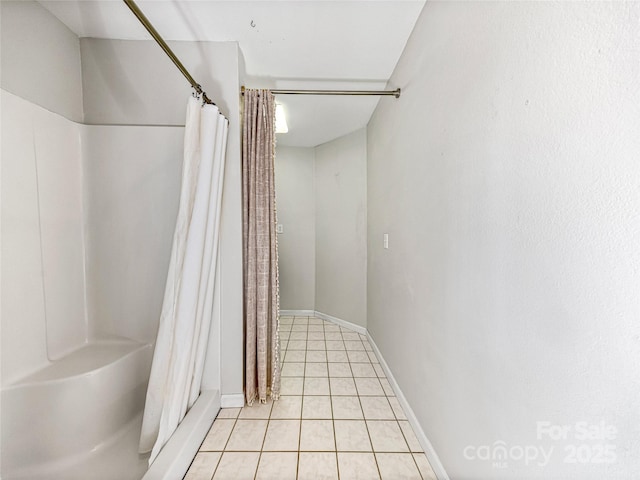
(79, 417)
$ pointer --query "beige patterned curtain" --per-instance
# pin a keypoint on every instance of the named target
(261, 295)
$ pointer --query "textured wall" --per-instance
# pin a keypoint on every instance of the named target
(296, 213)
(507, 177)
(341, 228)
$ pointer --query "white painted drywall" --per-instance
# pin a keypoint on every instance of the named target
(134, 83)
(295, 202)
(507, 177)
(341, 227)
(40, 58)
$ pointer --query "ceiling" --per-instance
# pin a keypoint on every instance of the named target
(303, 44)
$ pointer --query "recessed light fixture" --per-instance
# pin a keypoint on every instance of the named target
(281, 121)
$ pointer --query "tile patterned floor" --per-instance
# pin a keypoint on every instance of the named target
(337, 418)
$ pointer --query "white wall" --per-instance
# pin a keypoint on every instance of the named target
(295, 201)
(507, 177)
(341, 227)
(141, 167)
(43, 296)
(40, 58)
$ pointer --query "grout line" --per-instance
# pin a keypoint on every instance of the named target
(333, 420)
(330, 396)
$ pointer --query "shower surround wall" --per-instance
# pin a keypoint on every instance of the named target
(88, 213)
(120, 90)
(43, 258)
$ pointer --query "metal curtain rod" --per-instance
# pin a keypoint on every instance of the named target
(395, 93)
(160, 41)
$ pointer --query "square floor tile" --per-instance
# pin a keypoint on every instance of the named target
(346, 408)
(363, 370)
(350, 336)
(342, 386)
(315, 321)
(424, 466)
(287, 407)
(203, 466)
(299, 327)
(316, 328)
(353, 345)
(335, 345)
(377, 408)
(317, 466)
(316, 407)
(332, 335)
(317, 356)
(334, 356)
(386, 386)
(317, 436)
(397, 466)
(316, 370)
(316, 345)
(340, 370)
(288, 320)
(352, 436)
(257, 410)
(298, 336)
(367, 346)
(282, 436)
(329, 327)
(410, 437)
(316, 386)
(379, 370)
(297, 345)
(295, 356)
(218, 435)
(356, 356)
(228, 413)
(369, 386)
(301, 319)
(397, 408)
(247, 436)
(386, 436)
(315, 336)
(293, 369)
(372, 357)
(237, 466)
(357, 466)
(291, 386)
(277, 466)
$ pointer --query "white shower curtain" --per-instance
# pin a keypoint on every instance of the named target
(178, 359)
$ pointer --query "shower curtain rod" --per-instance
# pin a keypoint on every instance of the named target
(160, 41)
(395, 93)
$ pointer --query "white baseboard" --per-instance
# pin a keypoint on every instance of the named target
(435, 462)
(297, 313)
(232, 400)
(342, 323)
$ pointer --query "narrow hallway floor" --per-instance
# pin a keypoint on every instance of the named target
(337, 418)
